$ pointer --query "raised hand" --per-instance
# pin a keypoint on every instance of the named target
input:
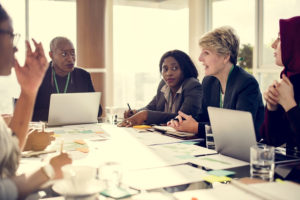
(31, 75)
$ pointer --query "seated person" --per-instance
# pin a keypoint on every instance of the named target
(179, 90)
(282, 113)
(13, 138)
(61, 77)
(225, 85)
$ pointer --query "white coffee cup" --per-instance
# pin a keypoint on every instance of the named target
(79, 177)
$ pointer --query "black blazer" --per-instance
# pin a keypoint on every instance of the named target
(189, 103)
(80, 81)
(242, 93)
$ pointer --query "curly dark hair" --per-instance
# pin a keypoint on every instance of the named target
(186, 64)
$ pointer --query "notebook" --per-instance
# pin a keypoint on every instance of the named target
(73, 108)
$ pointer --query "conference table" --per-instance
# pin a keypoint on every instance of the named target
(148, 161)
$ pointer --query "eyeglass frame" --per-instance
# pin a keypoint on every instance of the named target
(14, 36)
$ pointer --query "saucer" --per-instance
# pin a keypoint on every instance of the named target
(63, 187)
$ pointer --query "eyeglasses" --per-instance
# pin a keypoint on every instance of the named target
(65, 54)
(14, 36)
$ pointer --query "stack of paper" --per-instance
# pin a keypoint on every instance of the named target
(218, 161)
(163, 177)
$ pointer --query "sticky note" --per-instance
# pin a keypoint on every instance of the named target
(79, 142)
(213, 178)
(142, 126)
(83, 150)
(99, 132)
(221, 173)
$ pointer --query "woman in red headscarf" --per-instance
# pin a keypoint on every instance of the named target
(282, 118)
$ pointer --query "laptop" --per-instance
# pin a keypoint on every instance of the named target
(73, 108)
(233, 132)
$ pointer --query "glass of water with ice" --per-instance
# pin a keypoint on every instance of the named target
(262, 162)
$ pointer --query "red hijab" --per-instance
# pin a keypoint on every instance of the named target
(290, 45)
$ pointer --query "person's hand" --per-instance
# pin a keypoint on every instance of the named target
(31, 75)
(129, 113)
(38, 141)
(271, 97)
(137, 119)
(188, 125)
(285, 91)
(58, 162)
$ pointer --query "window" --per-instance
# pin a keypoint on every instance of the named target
(47, 19)
(273, 10)
(142, 33)
(239, 14)
(9, 86)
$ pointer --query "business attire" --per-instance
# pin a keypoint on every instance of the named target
(80, 81)
(281, 127)
(163, 107)
(242, 93)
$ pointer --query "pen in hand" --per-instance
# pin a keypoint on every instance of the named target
(130, 111)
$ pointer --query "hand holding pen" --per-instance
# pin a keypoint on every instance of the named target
(128, 113)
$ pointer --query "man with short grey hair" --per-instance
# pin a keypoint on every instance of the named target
(61, 77)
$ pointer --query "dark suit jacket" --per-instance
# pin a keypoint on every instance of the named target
(80, 81)
(242, 93)
(189, 103)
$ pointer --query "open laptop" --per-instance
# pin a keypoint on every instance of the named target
(73, 108)
(233, 132)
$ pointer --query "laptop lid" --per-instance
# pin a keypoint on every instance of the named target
(233, 132)
(73, 108)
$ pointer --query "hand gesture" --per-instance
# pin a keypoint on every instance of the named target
(31, 75)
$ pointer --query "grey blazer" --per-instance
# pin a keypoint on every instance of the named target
(189, 102)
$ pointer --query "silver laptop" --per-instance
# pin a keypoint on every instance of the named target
(233, 132)
(73, 108)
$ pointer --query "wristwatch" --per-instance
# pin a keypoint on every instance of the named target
(49, 171)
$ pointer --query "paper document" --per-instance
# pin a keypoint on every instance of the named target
(172, 131)
(163, 177)
(283, 191)
(222, 192)
(181, 149)
(218, 161)
(151, 138)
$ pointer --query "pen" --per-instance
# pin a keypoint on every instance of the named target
(130, 111)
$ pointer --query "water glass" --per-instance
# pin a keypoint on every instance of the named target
(262, 162)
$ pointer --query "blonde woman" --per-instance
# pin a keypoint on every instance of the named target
(225, 85)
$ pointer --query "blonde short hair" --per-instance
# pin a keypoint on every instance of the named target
(223, 40)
